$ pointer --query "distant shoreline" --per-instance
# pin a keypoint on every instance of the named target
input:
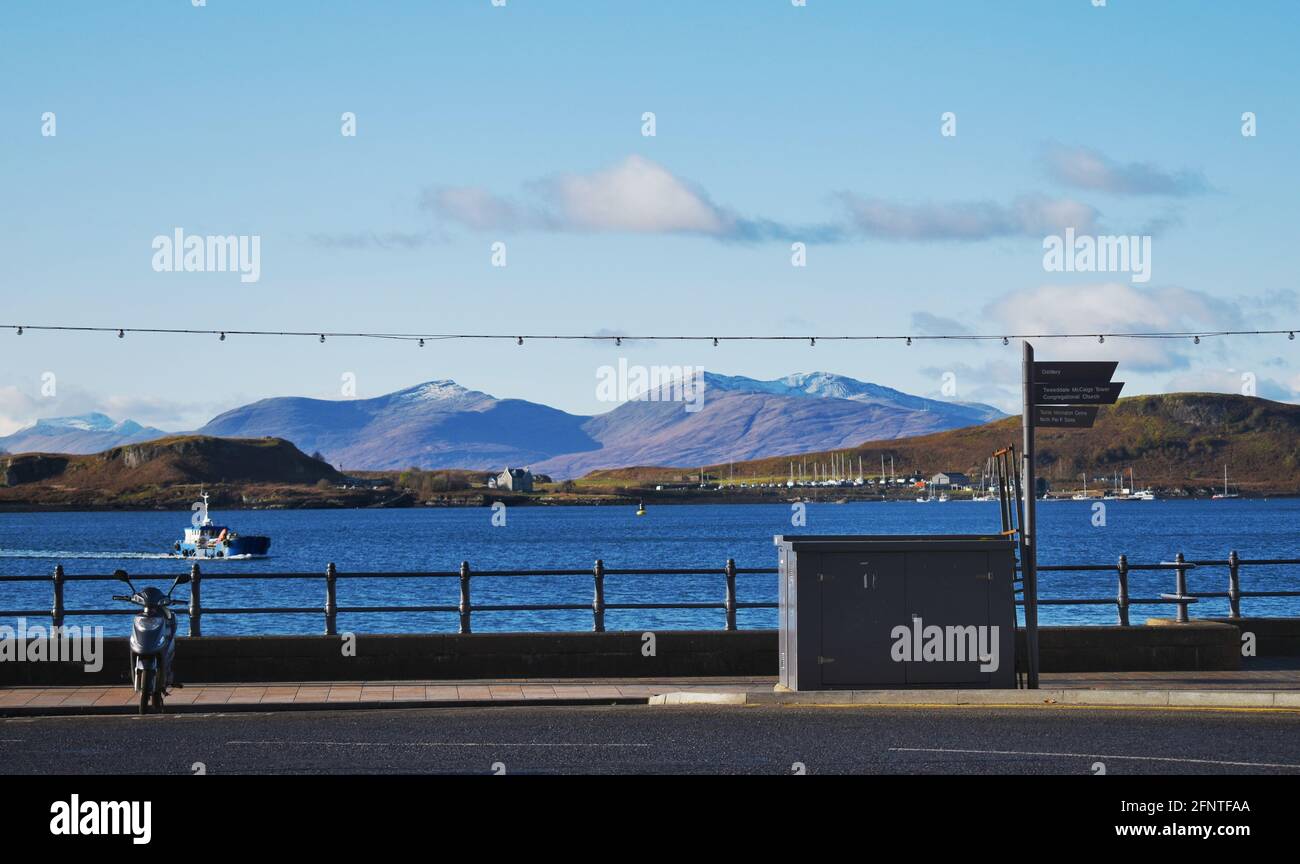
(402, 502)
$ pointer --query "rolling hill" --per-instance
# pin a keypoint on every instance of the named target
(173, 461)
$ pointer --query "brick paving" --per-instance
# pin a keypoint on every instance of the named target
(1260, 675)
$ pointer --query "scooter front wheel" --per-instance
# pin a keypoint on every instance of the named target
(146, 690)
(158, 702)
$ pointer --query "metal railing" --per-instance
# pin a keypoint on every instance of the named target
(465, 609)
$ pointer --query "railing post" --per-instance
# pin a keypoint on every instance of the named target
(1180, 587)
(731, 593)
(598, 599)
(1121, 599)
(331, 600)
(1234, 584)
(196, 601)
(56, 613)
(464, 597)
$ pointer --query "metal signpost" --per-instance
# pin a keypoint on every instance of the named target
(1060, 396)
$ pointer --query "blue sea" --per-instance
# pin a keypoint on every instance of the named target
(669, 536)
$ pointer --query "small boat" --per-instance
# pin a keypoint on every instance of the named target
(640, 508)
(1219, 496)
(206, 540)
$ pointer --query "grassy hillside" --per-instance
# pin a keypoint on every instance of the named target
(1177, 442)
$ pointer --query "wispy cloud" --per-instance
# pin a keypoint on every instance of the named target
(373, 240)
(926, 324)
(969, 221)
(1085, 168)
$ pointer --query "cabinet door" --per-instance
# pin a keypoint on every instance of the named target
(861, 601)
(950, 590)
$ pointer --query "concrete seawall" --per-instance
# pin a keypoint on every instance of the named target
(1201, 645)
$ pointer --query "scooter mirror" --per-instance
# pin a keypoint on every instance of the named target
(121, 576)
(183, 579)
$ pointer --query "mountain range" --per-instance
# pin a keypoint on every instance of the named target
(440, 424)
(84, 433)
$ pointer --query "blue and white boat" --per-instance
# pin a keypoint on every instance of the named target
(206, 540)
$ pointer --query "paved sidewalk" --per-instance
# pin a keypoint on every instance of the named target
(1272, 682)
(37, 701)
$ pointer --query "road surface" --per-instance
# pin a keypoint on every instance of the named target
(652, 739)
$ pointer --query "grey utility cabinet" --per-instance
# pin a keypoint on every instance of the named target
(869, 612)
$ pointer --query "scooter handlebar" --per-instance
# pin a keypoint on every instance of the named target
(123, 597)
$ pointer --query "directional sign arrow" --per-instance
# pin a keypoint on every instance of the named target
(1065, 416)
(1071, 372)
(1082, 393)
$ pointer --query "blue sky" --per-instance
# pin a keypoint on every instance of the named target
(523, 124)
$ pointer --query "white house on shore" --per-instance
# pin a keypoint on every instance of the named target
(514, 480)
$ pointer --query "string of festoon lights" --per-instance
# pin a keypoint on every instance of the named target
(519, 339)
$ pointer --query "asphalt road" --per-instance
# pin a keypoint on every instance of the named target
(645, 739)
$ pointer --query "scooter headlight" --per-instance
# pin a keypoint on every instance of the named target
(148, 623)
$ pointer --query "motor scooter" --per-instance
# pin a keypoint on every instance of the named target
(153, 641)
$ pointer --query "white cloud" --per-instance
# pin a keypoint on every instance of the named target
(1212, 380)
(1113, 307)
(19, 409)
(637, 196)
(634, 196)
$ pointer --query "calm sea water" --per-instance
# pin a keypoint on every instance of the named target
(573, 537)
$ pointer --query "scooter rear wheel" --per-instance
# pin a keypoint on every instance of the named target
(158, 702)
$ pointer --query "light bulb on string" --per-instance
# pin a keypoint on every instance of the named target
(121, 334)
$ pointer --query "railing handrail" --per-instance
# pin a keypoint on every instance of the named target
(729, 605)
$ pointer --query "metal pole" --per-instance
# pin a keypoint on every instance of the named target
(464, 597)
(1234, 584)
(331, 602)
(1121, 599)
(598, 600)
(731, 593)
(196, 603)
(56, 613)
(1030, 527)
(1181, 588)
